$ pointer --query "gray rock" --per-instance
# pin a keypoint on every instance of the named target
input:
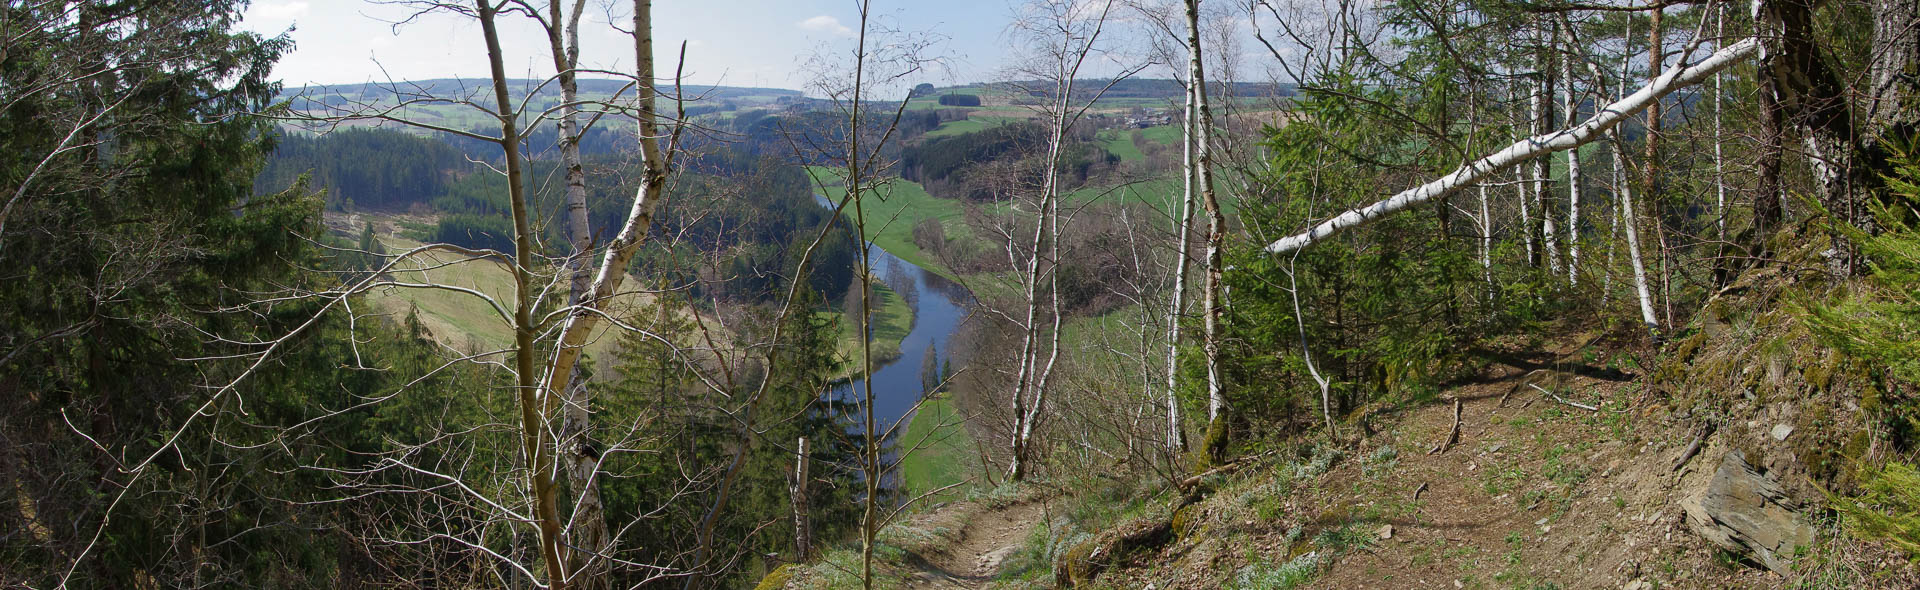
(1782, 431)
(1743, 510)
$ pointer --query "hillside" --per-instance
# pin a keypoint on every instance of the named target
(1566, 465)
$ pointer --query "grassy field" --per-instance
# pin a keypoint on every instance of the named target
(941, 450)
(892, 214)
(1120, 141)
(892, 319)
(972, 124)
(464, 321)
(961, 127)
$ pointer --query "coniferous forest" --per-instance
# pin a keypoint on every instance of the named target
(1117, 294)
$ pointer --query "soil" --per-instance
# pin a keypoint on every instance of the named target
(1536, 493)
(984, 543)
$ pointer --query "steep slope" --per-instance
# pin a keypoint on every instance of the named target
(1568, 471)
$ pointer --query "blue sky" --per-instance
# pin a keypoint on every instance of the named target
(733, 42)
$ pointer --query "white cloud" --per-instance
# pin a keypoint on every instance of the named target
(277, 10)
(826, 24)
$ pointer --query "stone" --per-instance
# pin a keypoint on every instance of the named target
(1782, 431)
(1743, 509)
(1385, 532)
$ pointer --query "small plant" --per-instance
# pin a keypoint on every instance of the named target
(1342, 539)
(1889, 508)
(1266, 576)
(1499, 481)
(1562, 472)
(1382, 461)
(1322, 460)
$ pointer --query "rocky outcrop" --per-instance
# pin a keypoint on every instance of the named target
(1743, 510)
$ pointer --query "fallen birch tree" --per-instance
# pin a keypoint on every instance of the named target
(1527, 149)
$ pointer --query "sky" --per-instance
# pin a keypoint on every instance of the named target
(730, 42)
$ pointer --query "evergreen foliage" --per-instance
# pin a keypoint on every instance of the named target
(380, 169)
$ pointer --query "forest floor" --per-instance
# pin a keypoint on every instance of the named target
(1535, 492)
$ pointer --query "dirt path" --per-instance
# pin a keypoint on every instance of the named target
(986, 542)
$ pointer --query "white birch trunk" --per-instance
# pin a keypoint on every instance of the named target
(588, 526)
(1525, 150)
(1627, 217)
(1072, 54)
(1520, 189)
(1486, 244)
(612, 271)
(1176, 436)
(1216, 222)
(1719, 159)
(1571, 106)
(1537, 100)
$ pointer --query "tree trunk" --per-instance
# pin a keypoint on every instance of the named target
(533, 408)
(1592, 128)
(1216, 238)
(1177, 436)
(590, 540)
(612, 271)
(1521, 188)
(1814, 101)
(1571, 116)
(802, 509)
(1628, 221)
(1541, 111)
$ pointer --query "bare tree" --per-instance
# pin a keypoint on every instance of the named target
(1525, 150)
(1062, 37)
(880, 60)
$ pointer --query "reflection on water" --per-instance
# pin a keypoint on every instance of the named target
(939, 305)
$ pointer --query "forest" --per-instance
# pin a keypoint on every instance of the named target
(1182, 294)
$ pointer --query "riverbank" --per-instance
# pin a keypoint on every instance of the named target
(892, 320)
(900, 205)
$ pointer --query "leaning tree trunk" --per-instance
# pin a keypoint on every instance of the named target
(1628, 219)
(1520, 152)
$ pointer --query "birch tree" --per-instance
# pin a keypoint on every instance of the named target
(1062, 38)
(1570, 111)
(590, 539)
(1588, 130)
(1212, 312)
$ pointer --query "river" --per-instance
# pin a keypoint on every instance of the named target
(939, 305)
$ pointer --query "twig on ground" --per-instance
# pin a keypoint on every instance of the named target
(1563, 400)
(1453, 435)
(1693, 448)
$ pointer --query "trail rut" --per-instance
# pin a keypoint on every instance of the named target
(984, 545)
